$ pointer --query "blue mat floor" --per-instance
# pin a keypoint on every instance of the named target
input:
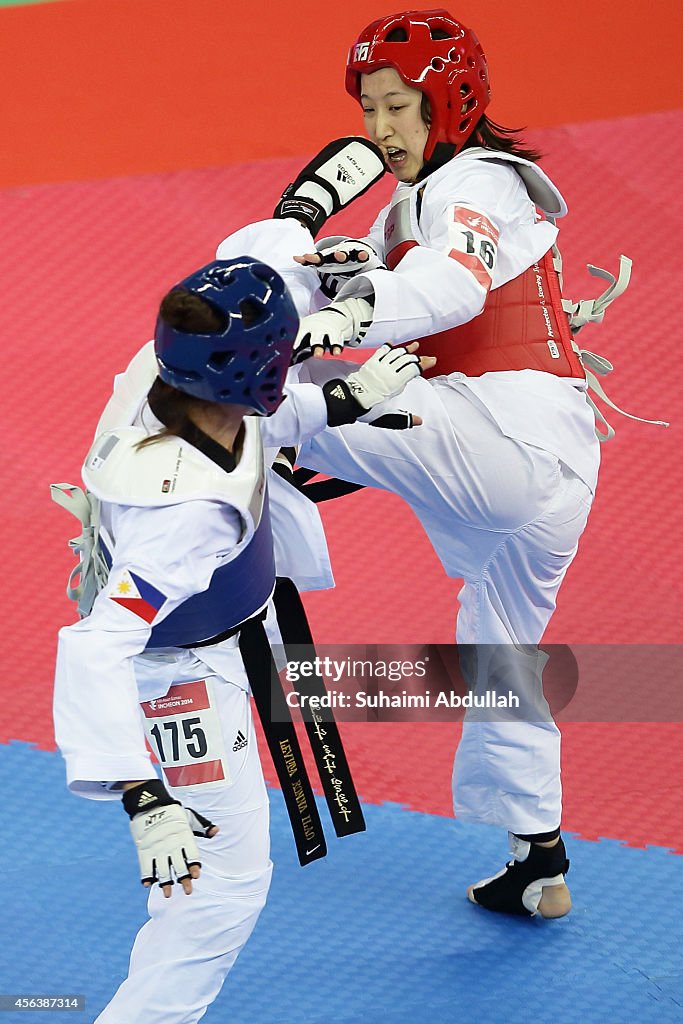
(380, 932)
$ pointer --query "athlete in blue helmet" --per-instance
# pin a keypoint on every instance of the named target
(177, 570)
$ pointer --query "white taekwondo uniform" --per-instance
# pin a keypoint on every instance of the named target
(502, 472)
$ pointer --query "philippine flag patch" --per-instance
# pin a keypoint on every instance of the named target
(136, 594)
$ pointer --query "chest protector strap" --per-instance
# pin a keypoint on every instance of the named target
(91, 573)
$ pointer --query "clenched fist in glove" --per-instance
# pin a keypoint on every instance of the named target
(164, 833)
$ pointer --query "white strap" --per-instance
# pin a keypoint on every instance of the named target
(74, 500)
(91, 572)
(597, 366)
(592, 311)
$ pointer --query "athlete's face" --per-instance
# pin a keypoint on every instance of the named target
(393, 120)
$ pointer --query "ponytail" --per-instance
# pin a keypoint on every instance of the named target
(173, 408)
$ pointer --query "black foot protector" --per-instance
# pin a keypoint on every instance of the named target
(518, 888)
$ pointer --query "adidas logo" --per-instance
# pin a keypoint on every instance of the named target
(145, 798)
(240, 741)
(338, 392)
(343, 175)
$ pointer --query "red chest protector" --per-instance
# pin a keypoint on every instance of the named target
(525, 324)
(522, 326)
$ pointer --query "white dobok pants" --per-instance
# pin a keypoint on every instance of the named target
(506, 517)
(182, 954)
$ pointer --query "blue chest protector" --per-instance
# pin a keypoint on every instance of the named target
(237, 591)
(117, 468)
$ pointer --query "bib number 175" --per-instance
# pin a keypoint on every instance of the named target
(183, 729)
(193, 738)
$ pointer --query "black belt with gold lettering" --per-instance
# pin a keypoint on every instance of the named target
(282, 741)
(281, 737)
(323, 732)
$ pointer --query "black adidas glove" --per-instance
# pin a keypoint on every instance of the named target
(340, 173)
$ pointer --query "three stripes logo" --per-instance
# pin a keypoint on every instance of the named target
(343, 175)
(240, 741)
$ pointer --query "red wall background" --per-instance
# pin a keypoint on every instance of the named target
(99, 88)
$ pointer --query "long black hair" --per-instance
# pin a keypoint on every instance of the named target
(491, 135)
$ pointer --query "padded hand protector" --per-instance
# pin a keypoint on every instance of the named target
(341, 323)
(163, 833)
(384, 375)
(340, 173)
(333, 273)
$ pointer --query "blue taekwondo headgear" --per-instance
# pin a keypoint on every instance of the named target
(245, 362)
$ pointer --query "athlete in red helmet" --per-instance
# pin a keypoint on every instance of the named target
(503, 470)
(437, 56)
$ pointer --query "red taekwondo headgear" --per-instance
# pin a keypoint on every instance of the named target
(451, 72)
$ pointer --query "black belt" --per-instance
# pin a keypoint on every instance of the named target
(321, 490)
(282, 741)
(225, 635)
(279, 730)
(323, 732)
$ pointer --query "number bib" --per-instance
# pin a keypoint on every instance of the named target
(473, 241)
(183, 729)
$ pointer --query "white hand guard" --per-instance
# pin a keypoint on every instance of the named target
(341, 323)
(383, 376)
(164, 832)
(165, 844)
(334, 274)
